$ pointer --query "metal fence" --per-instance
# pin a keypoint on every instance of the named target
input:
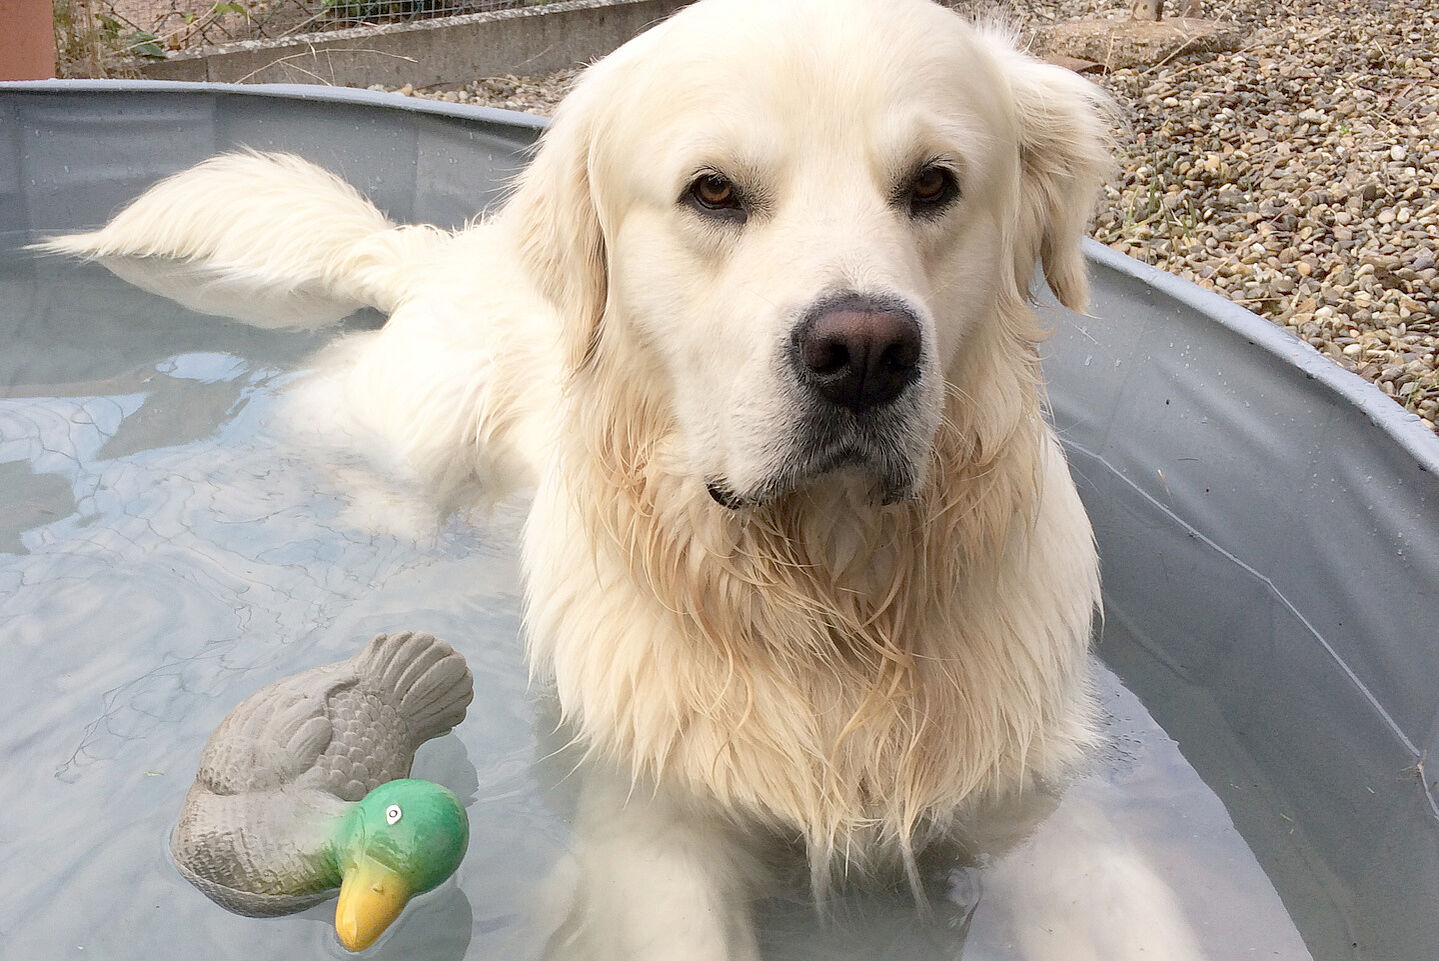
(96, 38)
(101, 38)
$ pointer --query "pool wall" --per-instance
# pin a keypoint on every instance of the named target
(1269, 524)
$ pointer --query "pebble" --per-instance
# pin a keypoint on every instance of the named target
(1302, 154)
(536, 95)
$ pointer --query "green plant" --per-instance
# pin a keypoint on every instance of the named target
(142, 43)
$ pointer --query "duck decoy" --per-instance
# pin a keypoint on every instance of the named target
(303, 788)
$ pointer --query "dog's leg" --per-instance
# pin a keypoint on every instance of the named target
(659, 879)
(1078, 891)
(265, 238)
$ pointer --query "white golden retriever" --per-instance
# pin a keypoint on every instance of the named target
(804, 559)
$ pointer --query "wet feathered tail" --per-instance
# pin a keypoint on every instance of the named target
(426, 677)
(269, 239)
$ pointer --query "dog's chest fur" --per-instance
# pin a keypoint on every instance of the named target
(851, 674)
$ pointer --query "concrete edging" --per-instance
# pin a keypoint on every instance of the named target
(453, 50)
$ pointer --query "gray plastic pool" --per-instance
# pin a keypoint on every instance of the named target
(1269, 527)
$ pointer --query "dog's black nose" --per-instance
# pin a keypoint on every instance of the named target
(857, 352)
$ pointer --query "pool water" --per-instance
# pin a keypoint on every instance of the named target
(168, 545)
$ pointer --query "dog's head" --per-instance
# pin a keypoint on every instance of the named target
(806, 231)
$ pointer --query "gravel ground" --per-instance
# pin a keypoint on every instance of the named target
(1295, 175)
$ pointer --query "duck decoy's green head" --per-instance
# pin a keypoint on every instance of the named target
(404, 838)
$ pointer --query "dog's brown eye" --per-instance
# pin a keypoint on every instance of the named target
(716, 195)
(714, 191)
(929, 184)
(932, 188)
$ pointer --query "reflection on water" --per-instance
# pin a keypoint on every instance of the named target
(167, 548)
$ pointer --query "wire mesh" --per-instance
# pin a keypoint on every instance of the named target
(106, 37)
(99, 38)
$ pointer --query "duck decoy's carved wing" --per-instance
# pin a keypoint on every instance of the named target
(274, 736)
(344, 728)
(399, 692)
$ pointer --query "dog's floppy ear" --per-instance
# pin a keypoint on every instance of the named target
(555, 213)
(1064, 140)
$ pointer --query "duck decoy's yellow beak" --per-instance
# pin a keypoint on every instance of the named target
(371, 896)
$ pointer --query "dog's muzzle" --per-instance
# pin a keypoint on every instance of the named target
(853, 363)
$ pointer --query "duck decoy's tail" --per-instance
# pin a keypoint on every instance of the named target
(428, 680)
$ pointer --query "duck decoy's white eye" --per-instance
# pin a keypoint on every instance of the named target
(393, 814)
